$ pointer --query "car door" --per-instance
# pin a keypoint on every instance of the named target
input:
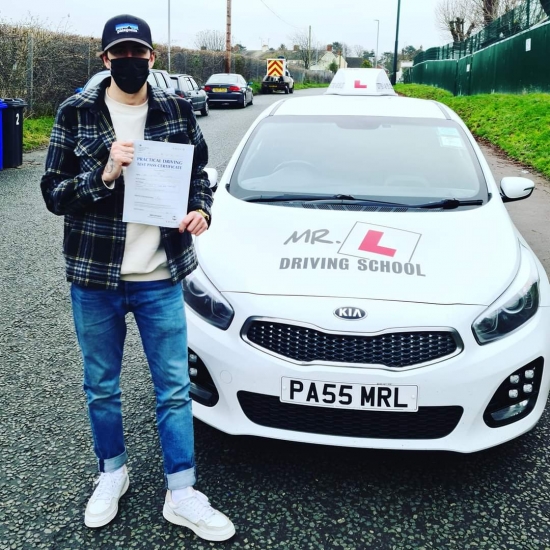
(193, 93)
(200, 95)
(248, 91)
(184, 88)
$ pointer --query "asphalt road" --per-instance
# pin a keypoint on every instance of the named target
(280, 495)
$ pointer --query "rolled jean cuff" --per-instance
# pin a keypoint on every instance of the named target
(112, 464)
(181, 480)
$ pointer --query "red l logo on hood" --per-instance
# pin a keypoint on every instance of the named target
(370, 244)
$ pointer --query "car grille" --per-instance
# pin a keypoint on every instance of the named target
(426, 423)
(306, 345)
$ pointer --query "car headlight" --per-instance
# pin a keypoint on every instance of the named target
(515, 307)
(206, 301)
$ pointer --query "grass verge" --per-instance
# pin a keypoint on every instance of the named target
(256, 85)
(518, 124)
(36, 132)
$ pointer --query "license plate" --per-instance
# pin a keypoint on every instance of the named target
(378, 397)
(273, 85)
(219, 89)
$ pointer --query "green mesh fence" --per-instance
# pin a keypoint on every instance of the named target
(520, 18)
(517, 65)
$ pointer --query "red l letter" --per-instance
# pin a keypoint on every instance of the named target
(359, 85)
(370, 244)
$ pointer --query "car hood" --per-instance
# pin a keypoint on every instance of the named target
(449, 257)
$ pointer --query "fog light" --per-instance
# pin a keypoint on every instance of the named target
(509, 412)
(202, 389)
(516, 397)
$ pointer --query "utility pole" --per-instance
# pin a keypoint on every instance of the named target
(228, 39)
(394, 75)
(169, 36)
(309, 49)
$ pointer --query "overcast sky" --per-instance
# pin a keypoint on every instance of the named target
(272, 22)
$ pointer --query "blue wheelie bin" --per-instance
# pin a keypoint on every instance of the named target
(12, 128)
(2, 107)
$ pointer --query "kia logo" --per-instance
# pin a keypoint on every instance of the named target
(350, 313)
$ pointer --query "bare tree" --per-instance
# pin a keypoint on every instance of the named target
(303, 50)
(358, 50)
(213, 41)
(489, 10)
(341, 48)
(462, 17)
(458, 18)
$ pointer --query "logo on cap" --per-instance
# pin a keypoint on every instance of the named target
(126, 27)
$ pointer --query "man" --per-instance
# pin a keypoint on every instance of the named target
(116, 268)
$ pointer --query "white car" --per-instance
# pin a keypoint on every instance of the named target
(362, 283)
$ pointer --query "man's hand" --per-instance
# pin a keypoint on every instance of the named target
(194, 223)
(122, 154)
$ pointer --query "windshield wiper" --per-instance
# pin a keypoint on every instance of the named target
(322, 199)
(445, 204)
(449, 204)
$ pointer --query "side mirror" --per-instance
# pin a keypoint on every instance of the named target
(515, 189)
(212, 174)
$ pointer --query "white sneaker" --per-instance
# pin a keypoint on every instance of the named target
(194, 511)
(103, 504)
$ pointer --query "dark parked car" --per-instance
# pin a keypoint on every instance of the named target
(278, 83)
(187, 88)
(227, 89)
(157, 77)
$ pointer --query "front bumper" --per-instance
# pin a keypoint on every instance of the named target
(453, 394)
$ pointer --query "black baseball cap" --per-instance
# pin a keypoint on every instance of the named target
(124, 28)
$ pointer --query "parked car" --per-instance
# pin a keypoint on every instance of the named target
(157, 77)
(187, 88)
(283, 83)
(228, 89)
(363, 284)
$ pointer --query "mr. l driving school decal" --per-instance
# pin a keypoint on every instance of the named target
(367, 247)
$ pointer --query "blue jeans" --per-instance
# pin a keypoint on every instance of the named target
(158, 309)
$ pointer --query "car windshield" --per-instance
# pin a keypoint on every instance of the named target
(99, 77)
(96, 79)
(225, 78)
(401, 160)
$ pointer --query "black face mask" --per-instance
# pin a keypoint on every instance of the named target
(130, 73)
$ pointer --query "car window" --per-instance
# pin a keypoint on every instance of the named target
(97, 79)
(394, 159)
(160, 79)
(189, 83)
(223, 78)
(182, 84)
(194, 84)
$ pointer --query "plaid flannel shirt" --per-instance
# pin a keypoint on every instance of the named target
(94, 232)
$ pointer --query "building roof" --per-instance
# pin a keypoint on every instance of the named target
(354, 62)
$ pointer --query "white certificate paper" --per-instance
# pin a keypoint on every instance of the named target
(156, 183)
